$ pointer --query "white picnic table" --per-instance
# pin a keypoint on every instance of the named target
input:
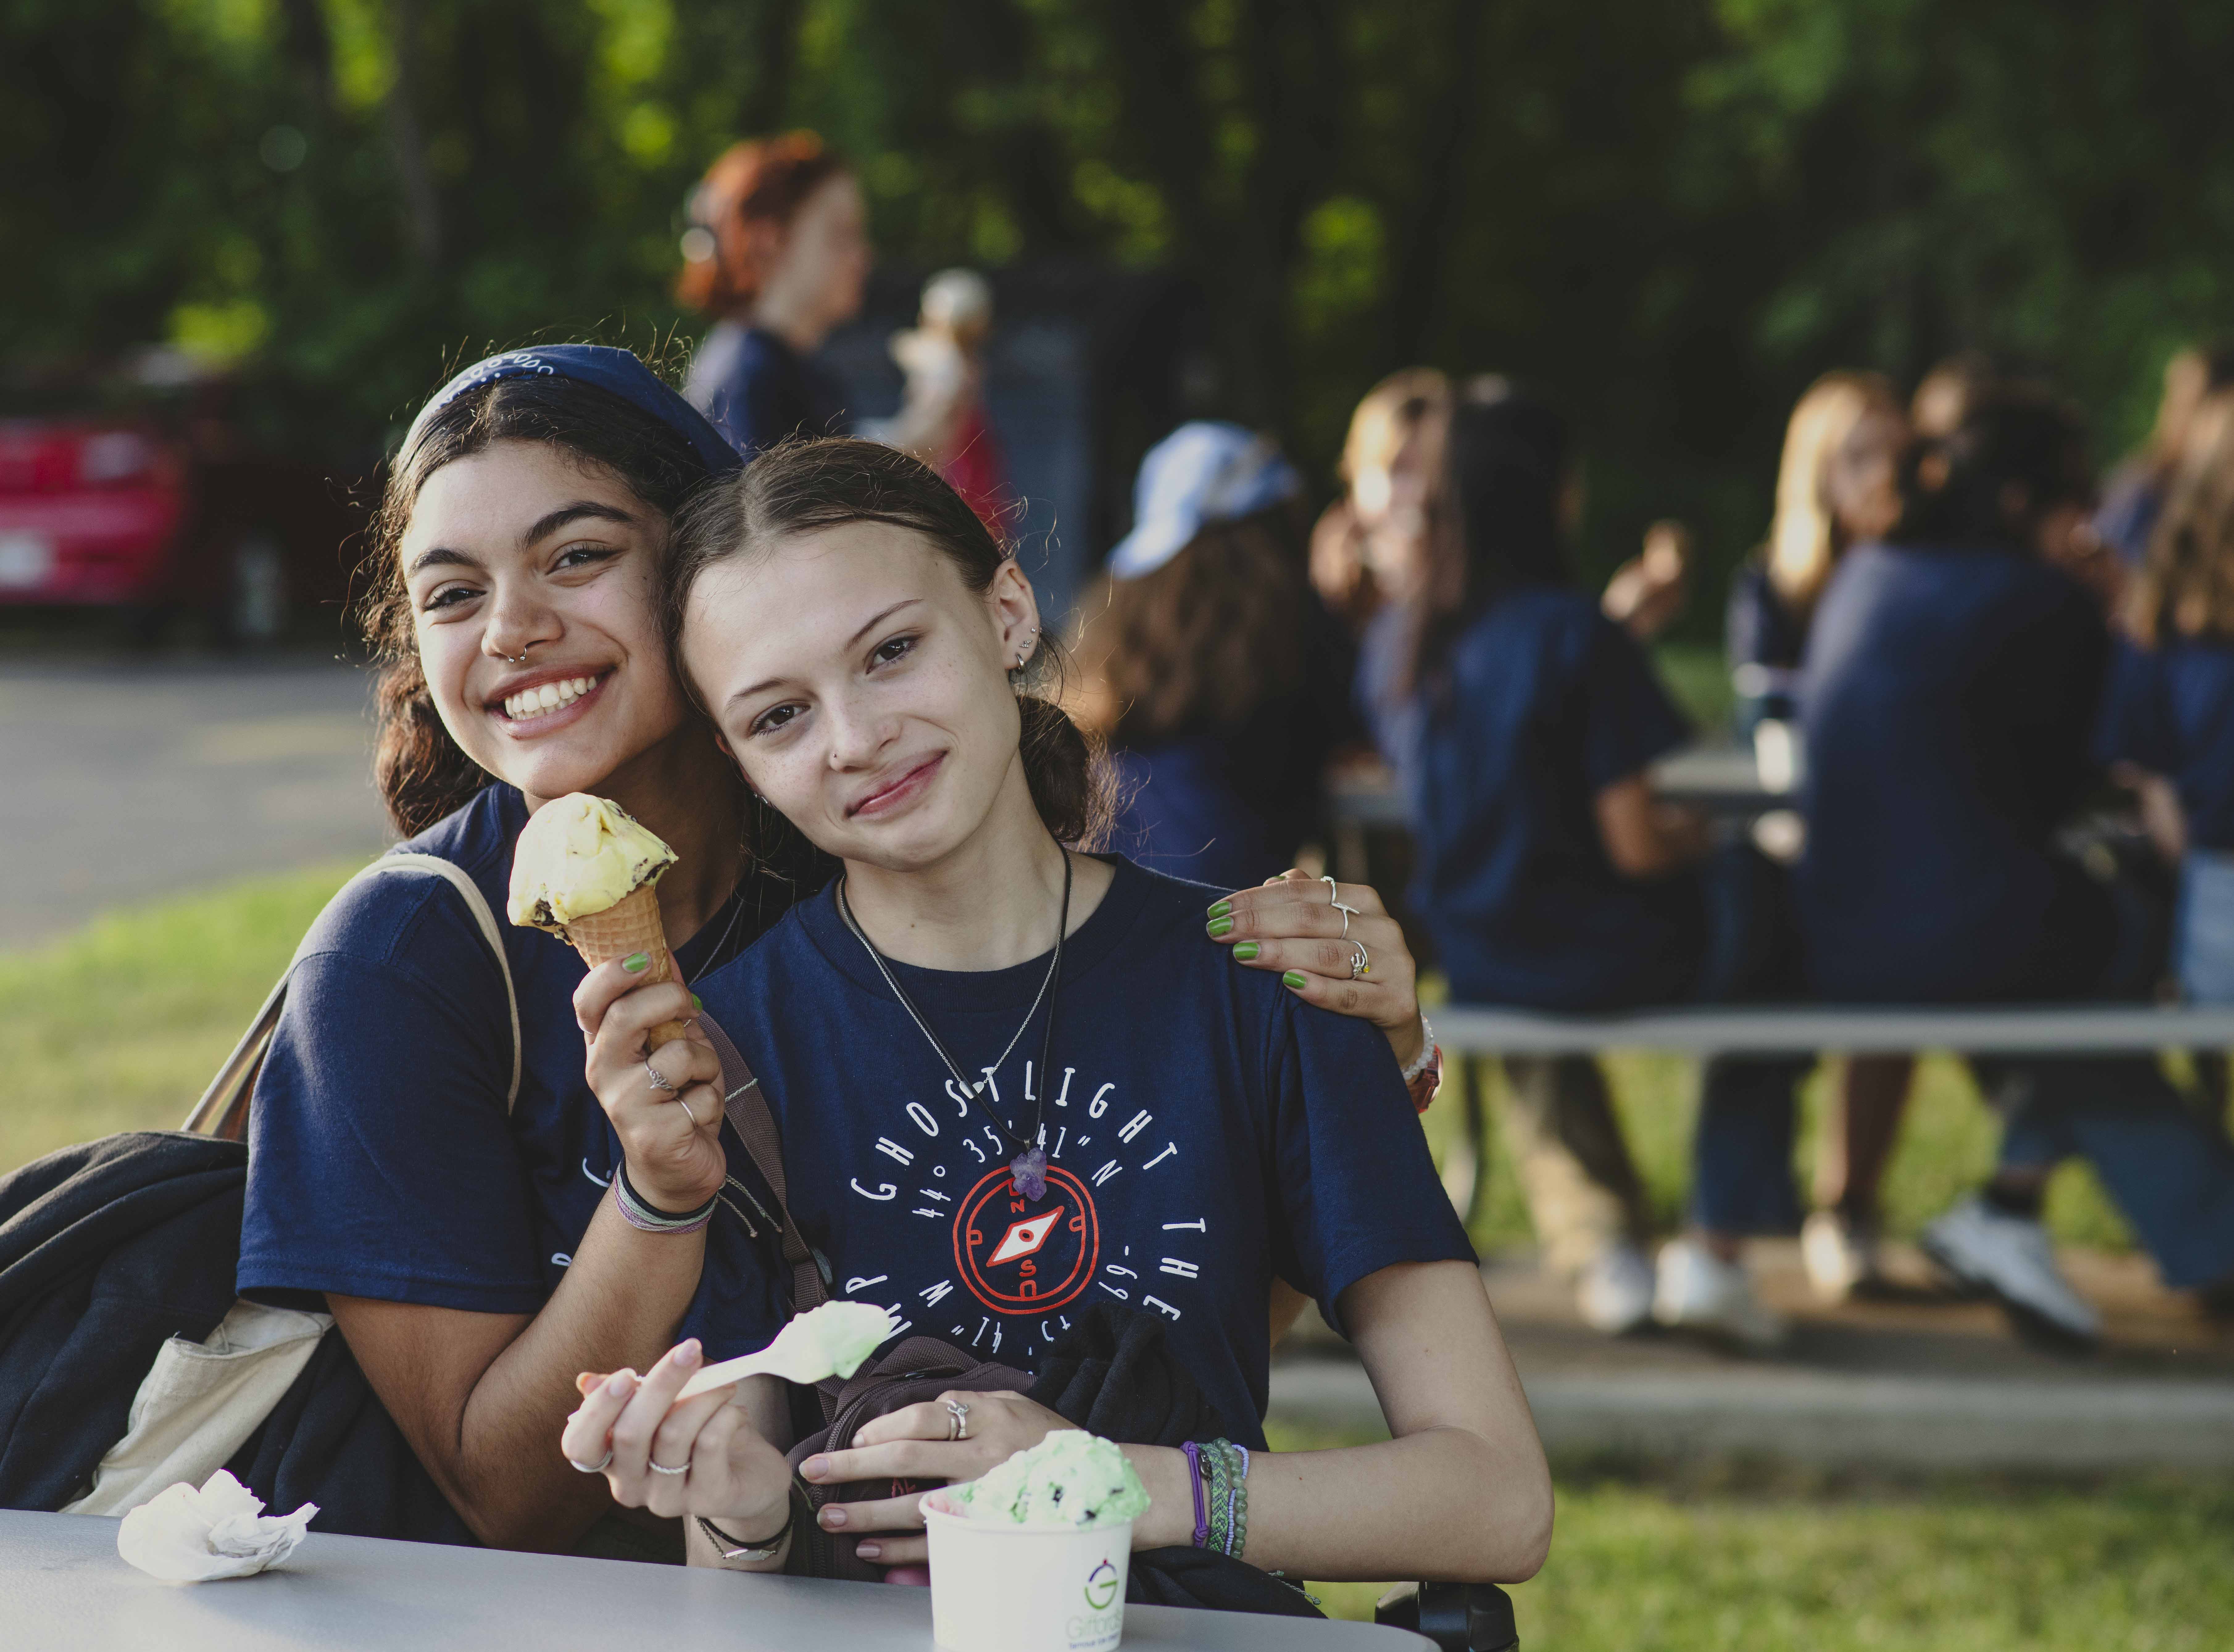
(63, 1589)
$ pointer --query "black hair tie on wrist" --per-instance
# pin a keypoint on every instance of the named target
(641, 1212)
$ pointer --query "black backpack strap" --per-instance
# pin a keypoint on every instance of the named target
(749, 1115)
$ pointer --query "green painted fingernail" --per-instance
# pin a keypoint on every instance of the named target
(637, 961)
(1293, 978)
(696, 1002)
(1220, 926)
(1221, 909)
(1245, 952)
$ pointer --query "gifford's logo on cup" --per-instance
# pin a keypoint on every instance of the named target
(1101, 1585)
(1001, 1588)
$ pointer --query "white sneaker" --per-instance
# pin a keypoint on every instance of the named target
(1840, 1256)
(2011, 1258)
(1697, 1290)
(1615, 1291)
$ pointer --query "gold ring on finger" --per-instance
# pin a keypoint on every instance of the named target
(1362, 963)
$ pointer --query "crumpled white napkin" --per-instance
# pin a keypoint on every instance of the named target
(185, 1536)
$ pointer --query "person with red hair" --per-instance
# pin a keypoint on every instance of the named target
(777, 253)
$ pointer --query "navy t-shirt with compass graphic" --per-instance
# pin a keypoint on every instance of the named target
(1206, 1130)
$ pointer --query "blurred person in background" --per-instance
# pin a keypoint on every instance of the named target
(1953, 678)
(1390, 461)
(942, 419)
(1521, 721)
(1773, 595)
(1208, 663)
(1374, 533)
(1836, 487)
(2169, 724)
(777, 253)
(2135, 493)
(1945, 395)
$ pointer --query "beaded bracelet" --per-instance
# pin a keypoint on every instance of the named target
(1240, 1517)
(647, 1218)
(1218, 1466)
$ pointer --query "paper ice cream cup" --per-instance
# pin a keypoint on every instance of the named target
(1001, 1588)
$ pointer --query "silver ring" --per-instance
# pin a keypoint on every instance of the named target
(661, 1468)
(957, 1420)
(597, 1467)
(1334, 899)
(657, 1082)
(1362, 963)
(685, 1106)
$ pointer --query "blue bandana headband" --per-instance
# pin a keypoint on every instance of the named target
(617, 372)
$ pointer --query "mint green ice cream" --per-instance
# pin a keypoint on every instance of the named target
(844, 1334)
(1071, 1478)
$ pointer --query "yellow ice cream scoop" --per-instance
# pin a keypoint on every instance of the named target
(583, 870)
(579, 856)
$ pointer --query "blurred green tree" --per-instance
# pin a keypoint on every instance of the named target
(1669, 214)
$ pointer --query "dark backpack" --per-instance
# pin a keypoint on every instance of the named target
(109, 1249)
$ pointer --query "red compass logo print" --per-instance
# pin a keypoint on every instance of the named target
(1024, 1255)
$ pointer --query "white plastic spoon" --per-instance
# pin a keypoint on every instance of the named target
(826, 1341)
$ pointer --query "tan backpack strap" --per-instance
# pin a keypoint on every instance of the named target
(477, 904)
(749, 1115)
(223, 1109)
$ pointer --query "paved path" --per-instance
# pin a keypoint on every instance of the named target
(124, 782)
(1915, 1382)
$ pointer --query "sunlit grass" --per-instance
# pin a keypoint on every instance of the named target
(1633, 1569)
(121, 1026)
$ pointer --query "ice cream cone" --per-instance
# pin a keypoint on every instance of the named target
(631, 924)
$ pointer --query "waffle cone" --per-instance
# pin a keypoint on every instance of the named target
(631, 925)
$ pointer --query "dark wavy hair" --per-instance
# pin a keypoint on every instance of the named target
(806, 485)
(1505, 463)
(1201, 643)
(423, 773)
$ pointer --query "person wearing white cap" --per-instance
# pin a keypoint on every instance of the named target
(1219, 679)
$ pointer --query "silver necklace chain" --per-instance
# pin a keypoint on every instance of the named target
(846, 910)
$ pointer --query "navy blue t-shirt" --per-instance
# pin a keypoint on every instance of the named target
(1206, 1130)
(2171, 709)
(1759, 627)
(1948, 700)
(757, 390)
(1547, 703)
(381, 1160)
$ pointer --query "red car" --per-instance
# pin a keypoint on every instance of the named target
(162, 507)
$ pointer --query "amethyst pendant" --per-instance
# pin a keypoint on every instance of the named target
(1027, 1172)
